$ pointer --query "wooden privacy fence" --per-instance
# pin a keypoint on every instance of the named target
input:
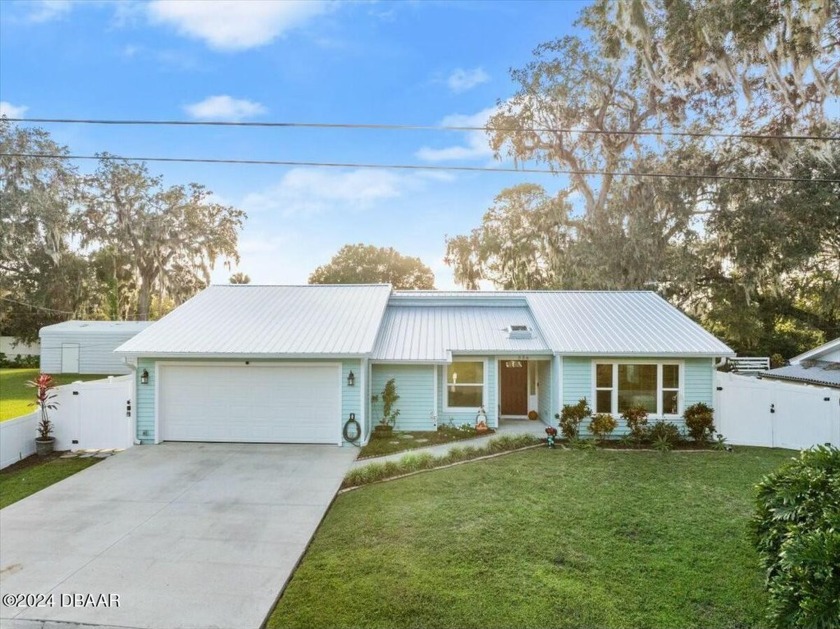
(90, 415)
(754, 412)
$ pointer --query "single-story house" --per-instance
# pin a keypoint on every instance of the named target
(86, 346)
(819, 366)
(245, 363)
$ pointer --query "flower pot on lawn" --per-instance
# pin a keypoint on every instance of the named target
(44, 446)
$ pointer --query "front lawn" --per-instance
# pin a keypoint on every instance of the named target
(404, 441)
(16, 397)
(30, 475)
(544, 538)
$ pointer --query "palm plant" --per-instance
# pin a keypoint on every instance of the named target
(45, 395)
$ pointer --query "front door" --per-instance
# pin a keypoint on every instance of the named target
(514, 383)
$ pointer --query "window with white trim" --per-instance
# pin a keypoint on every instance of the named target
(654, 387)
(670, 389)
(604, 388)
(465, 384)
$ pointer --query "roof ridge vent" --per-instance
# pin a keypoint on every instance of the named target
(519, 332)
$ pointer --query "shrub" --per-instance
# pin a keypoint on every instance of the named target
(666, 431)
(571, 417)
(636, 419)
(19, 361)
(602, 425)
(796, 530)
(457, 432)
(662, 444)
(389, 397)
(699, 422)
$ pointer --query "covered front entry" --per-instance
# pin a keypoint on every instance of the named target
(513, 385)
(236, 402)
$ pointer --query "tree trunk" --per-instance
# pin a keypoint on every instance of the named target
(144, 299)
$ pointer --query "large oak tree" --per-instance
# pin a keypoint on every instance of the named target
(366, 264)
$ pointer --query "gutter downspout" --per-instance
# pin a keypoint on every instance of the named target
(133, 368)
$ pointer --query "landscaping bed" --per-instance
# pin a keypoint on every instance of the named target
(542, 538)
(405, 441)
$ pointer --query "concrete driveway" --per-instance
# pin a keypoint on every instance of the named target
(185, 535)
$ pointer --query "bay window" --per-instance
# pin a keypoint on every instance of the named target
(465, 384)
(654, 387)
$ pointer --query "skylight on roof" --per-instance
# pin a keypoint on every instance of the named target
(519, 332)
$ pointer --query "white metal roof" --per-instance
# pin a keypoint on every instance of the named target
(116, 327)
(370, 320)
(619, 323)
(431, 333)
(248, 320)
(817, 352)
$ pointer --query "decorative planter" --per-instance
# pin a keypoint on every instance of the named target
(44, 446)
(382, 431)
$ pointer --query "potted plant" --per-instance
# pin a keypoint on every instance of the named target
(45, 396)
(389, 398)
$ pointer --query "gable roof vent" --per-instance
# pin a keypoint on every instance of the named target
(519, 332)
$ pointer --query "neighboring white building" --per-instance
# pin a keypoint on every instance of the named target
(86, 346)
(819, 366)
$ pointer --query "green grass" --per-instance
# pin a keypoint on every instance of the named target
(543, 538)
(17, 483)
(404, 441)
(16, 397)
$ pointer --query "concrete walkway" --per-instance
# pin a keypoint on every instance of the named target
(173, 536)
(508, 427)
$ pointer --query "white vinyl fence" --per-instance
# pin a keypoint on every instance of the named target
(90, 415)
(754, 412)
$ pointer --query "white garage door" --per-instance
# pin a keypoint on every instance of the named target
(268, 403)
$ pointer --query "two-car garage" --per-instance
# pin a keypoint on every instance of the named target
(239, 402)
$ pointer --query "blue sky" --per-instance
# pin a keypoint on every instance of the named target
(362, 62)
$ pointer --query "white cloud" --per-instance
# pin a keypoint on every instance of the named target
(464, 80)
(47, 10)
(476, 145)
(235, 24)
(11, 111)
(312, 191)
(224, 107)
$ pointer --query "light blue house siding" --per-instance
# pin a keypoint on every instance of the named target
(351, 397)
(145, 400)
(698, 382)
(416, 388)
(544, 399)
(491, 398)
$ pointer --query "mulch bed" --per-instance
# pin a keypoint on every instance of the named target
(32, 460)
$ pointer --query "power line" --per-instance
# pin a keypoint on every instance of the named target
(417, 127)
(21, 303)
(44, 308)
(479, 169)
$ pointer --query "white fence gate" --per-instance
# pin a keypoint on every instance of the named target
(754, 412)
(90, 415)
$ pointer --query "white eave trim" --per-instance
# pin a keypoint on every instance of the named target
(238, 356)
(649, 354)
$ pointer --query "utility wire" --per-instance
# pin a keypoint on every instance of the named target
(479, 169)
(412, 127)
(20, 303)
(65, 312)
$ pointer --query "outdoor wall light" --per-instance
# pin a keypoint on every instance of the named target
(351, 379)
(144, 377)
